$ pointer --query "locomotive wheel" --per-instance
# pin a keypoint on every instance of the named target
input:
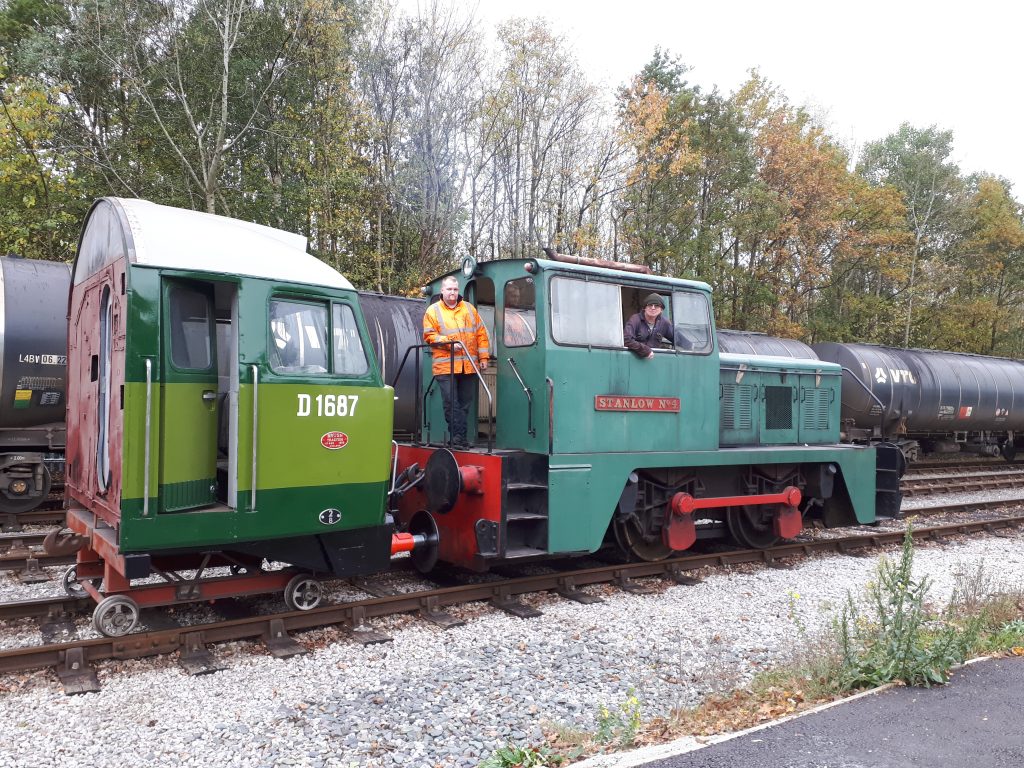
(115, 616)
(303, 593)
(19, 504)
(636, 542)
(71, 584)
(751, 527)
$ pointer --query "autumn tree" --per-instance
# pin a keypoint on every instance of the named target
(917, 163)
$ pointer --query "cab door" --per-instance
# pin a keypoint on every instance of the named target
(188, 397)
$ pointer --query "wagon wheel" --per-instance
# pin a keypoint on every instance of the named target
(303, 593)
(72, 585)
(19, 502)
(639, 536)
(116, 615)
(752, 526)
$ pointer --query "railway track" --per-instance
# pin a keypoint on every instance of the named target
(71, 660)
(930, 485)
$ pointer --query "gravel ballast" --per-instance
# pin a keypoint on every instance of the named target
(450, 697)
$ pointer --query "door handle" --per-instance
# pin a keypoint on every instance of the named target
(209, 395)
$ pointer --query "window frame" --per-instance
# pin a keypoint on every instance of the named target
(673, 290)
(586, 279)
(327, 304)
(707, 317)
(505, 310)
(175, 286)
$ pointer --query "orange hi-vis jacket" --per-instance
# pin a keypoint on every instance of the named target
(463, 324)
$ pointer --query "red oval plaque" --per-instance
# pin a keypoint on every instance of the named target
(332, 441)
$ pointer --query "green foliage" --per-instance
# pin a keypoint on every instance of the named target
(395, 142)
(894, 638)
(511, 756)
(620, 725)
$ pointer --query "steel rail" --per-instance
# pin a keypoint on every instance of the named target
(272, 628)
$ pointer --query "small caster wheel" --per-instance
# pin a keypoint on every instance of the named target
(303, 593)
(71, 584)
(115, 615)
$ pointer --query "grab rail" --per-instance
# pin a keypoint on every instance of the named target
(255, 430)
(149, 422)
(529, 398)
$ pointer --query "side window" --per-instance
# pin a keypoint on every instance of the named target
(520, 319)
(692, 318)
(298, 334)
(190, 329)
(585, 313)
(349, 355)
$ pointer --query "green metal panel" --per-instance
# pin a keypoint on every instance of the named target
(819, 409)
(739, 410)
(297, 477)
(583, 500)
(282, 513)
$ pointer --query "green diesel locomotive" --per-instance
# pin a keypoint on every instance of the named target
(581, 443)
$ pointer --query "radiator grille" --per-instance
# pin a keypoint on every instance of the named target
(778, 408)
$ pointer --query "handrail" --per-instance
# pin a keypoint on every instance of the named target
(149, 427)
(881, 405)
(394, 468)
(255, 431)
(529, 398)
(490, 400)
(452, 345)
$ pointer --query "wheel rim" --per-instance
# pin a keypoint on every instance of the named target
(751, 527)
(635, 542)
(26, 504)
(71, 584)
(115, 616)
(303, 593)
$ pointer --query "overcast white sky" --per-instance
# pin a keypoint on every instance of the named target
(867, 66)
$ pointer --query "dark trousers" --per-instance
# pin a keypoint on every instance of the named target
(457, 412)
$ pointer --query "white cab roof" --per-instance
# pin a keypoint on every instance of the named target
(175, 238)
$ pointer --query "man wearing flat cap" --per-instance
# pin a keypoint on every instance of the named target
(648, 328)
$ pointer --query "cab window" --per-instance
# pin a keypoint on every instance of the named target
(691, 318)
(520, 318)
(349, 355)
(298, 335)
(190, 329)
(586, 313)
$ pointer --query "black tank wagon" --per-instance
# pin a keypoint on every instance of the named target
(33, 380)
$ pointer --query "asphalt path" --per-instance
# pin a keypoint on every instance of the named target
(975, 721)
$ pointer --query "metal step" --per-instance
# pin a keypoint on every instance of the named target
(516, 515)
(526, 486)
(520, 552)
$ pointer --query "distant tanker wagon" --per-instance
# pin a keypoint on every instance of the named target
(33, 380)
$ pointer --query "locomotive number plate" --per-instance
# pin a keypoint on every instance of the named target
(624, 403)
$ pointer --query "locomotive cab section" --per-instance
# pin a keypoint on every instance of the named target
(593, 446)
(223, 409)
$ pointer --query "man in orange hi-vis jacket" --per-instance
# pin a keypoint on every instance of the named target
(455, 319)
